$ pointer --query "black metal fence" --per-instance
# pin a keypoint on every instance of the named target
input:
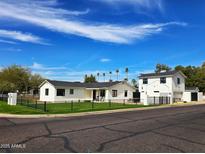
(3, 97)
(71, 105)
(159, 100)
(32, 103)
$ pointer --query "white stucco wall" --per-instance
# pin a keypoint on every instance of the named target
(186, 97)
(178, 87)
(170, 88)
(121, 88)
(79, 94)
(83, 93)
(200, 96)
(51, 95)
(203, 97)
(154, 85)
(151, 89)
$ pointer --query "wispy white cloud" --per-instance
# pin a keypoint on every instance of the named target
(20, 36)
(41, 67)
(60, 20)
(103, 60)
(139, 4)
(6, 41)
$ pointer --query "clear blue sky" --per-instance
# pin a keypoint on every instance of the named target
(65, 39)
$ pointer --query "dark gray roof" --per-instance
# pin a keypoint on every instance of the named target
(159, 74)
(101, 84)
(81, 84)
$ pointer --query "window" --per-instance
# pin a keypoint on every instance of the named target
(102, 93)
(60, 92)
(162, 80)
(178, 80)
(145, 81)
(126, 93)
(71, 91)
(114, 93)
(47, 92)
(156, 91)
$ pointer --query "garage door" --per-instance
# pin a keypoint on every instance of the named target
(194, 96)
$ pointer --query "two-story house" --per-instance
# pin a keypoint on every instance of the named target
(164, 86)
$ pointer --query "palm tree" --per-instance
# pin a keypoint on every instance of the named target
(117, 72)
(98, 75)
(126, 71)
(110, 75)
(104, 76)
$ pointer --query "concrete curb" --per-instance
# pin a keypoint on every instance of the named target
(97, 112)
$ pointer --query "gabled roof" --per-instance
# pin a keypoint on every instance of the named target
(101, 84)
(168, 73)
(81, 84)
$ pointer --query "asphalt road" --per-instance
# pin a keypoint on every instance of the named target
(176, 129)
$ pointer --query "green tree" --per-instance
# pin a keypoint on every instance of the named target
(90, 79)
(162, 67)
(15, 77)
(6, 87)
(35, 81)
(203, 65)
(195, 76)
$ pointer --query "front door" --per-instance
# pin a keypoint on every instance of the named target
(94, 95)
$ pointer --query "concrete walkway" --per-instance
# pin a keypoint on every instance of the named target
(98, 112)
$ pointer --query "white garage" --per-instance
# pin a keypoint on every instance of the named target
(192, 94)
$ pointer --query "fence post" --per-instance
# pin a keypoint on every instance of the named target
(154, 100)
(36, 104)
(45, 110)
(92, 105)
(27, 102)
(109, 103)
(71, 106)
(21, 100)
(124, 102)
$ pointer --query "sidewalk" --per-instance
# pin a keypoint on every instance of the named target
(99, 112)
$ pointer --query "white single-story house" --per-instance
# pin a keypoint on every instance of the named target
(61, 91)
(165, 87)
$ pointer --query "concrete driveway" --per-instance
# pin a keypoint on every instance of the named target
(176, 129)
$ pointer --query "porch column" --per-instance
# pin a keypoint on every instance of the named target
(91, 95)
(106, 95)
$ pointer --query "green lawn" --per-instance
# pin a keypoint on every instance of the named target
(86, 106)
(18, 109)
(59, 108)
